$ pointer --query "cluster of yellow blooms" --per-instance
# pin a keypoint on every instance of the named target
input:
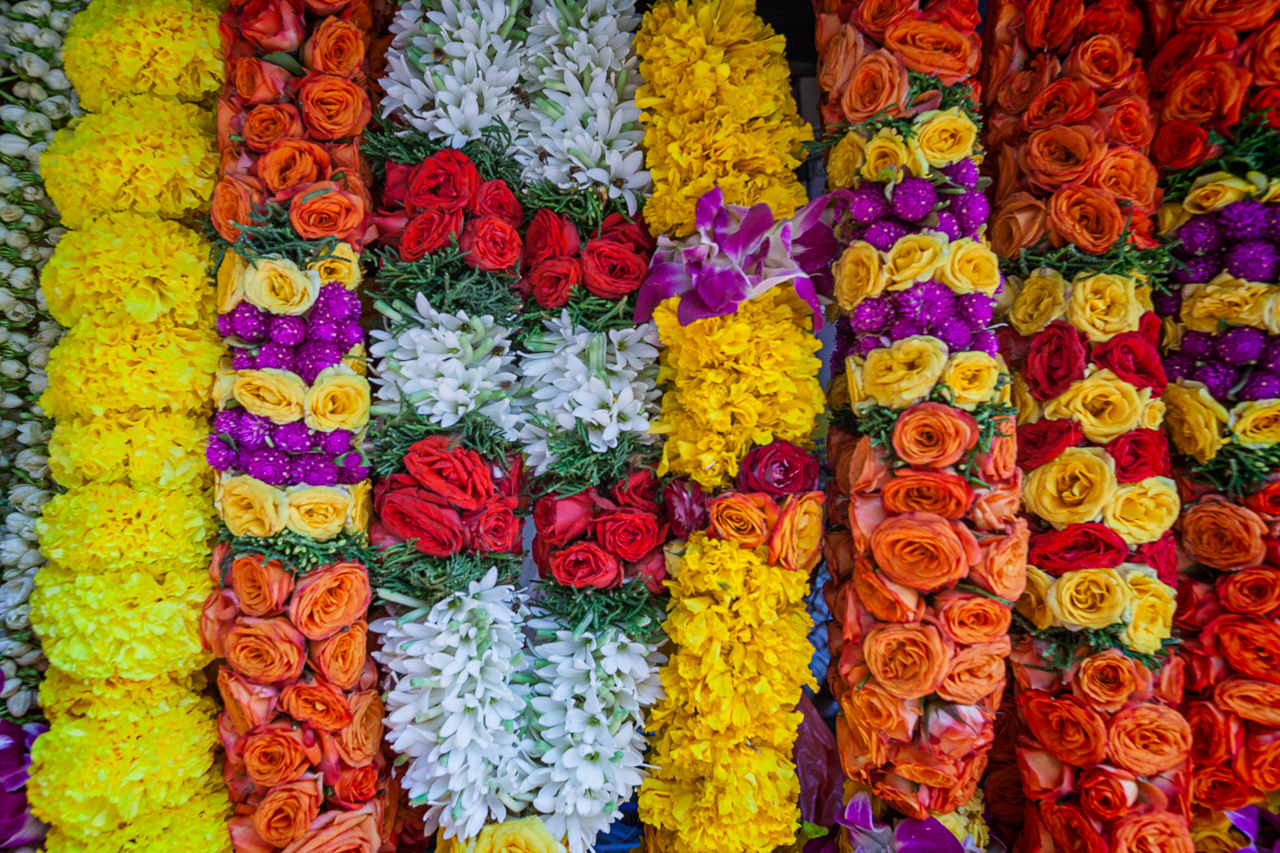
(128, 762)
(724, 779)
(717, 108)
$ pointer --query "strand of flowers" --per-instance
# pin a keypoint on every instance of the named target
(928, 555)
(117, 606)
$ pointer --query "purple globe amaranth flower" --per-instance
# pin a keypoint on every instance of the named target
(1270, 359)
(249, 322)
(275, 356)
(1246, 219)
(985, 341)
(321, 471)
(335, 443)
(871, 316)
(867, 203)
(269, 465)
(220, 455)
(948, 224)
(351, 470)
(350, 334)
(225, 327)
(1262, 385)
(334, 304)
(226, 421)
(1253, 260)
(322, 330)
(251, 432)
(864, 344)
(926, 302)
(954, 333)
(300, 465)
(1273, 220)
(972, 210)
(975, 310)
(1199, 235)
(963, 173)
(243, 359)
(1168, 304)
(292, 437)
(905, 327)
(1179, 366)
(287, 330)
(913, 199)
(1197, 269)
(844, 332)
(1241, 345)
(1219, 378)
(1198, 345)
(884, 233)
(313, 357)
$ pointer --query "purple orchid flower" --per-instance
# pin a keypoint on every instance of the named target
(739, 253)
(18, 827)
(1261, 827)
(868, 835)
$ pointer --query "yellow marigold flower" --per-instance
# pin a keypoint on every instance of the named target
(145, 154)
(197, 826)
(144, 47)
(161, 365)
(116, 698)
(137, 447)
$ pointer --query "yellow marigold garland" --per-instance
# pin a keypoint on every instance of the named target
(139, 447)
(198, 824)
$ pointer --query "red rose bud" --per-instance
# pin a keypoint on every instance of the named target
(653, 568)
(1044, 441)
(550, 235)
(1140, 454)
(447, 180)
(561, 520)
(638, 489)
(429, 232)
(586, 564)
(490, 245)
(629, 533)
(492, 528)
(273, 25)
(686, 508)
(778, 469)
(452, 476)
(612, 270)
(397, 187)
(437, 529)
(552, 281)
(1161, 555)
(1076, 546)
(541, 552)
(494, 198)
(1056, 358)
(1132, 358)
(635, 233)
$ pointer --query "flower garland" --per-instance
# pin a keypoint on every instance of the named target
(117, 607)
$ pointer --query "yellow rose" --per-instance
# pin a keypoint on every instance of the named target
(1041, 300)
(1141, 512)
(1150, 616)
(1213, 832)
(1152, 416)
(1029, 410)
(904, 373)
(525, 835)
(1269, 314)
(914, 258)
(1034, 602)
(886, 153)
(1171, 217)
(1268, 187)
(1170, 335)
(338, 399)
(854, 384)
(230, 281)
(1194, 420)
(355, 360)
(845, 159)
(1256, 423)
(858, 275)
(1007, 296)
(278, 286)
(1104, 405)
(944, 137)
(1225, 298)
(1089, 598)
(271, 393)
(969, 267)
(342, 266)
(1071, 488)
(838, 391)
(972, 378)
(250, 507)
(1216, 190)
(361, 507)
(318, 512)
(1104, 305)
(1143, 292)
(224, 385)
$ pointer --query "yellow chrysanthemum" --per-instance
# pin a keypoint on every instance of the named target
(138, 447)
(116, 698)
(161, 365)
(197, 826)
(145, 154)
(747, 378)
(126, 266)
(127, 624)
(104, 526)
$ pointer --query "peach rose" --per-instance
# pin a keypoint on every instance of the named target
(947, 495)
(1184, 47)
(1107, 793)
(1072, 732)
(909, 660)
(287, 811)
(329, 599)
(924, 551)
(901, 794)
(1061, 155)
(262, 589)
(266, 651)
(340, 831)
(1017, 90)
(1105, 681)
(969, 619)
(232, 205)
(742, 518)
(1066, 100)
(882, 711)
(290, 162)
(1217, 733)
(1129, 120)
(886, 600)
(1102, 61)
(1239, 15)
(1003, 568)
(863, 469)
(1221, 788)
(996, 507)
(324, 209)
(258, 82)
(1250, 645)
(332, 107)
(216, 619)
(1128, 175)
(1257, 701)
(917, 765)
(934, 47)
(976, 672)
(877, 84)
(1258, 763)
(1043, 776)
(947, 800)
(1085, 217)
(796, 540)
(280, 752)
(1159, 832)
(1048, 23)
(1223, 535)
(355, 785)
(340, 659)
(934, 435)
(360, 741)
(268, 123)
(1018, 223)
(335, 47)
(247, 705)
(1000, 462)
(1209, 91)
(1148, 739)
(318, 703)
(1264, 56)
(875, 17)
(1254, 591)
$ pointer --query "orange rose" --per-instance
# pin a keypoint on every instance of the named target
(838, 59)
(1073, 733)
(266, 651)
(742, 518)
(875, 17)
(1064, 101)
(315, 702)
(900, 793)
(1061, 155)
(262, 590)
(1048, 23)
(340, 659)
(1223, 535)
(947, 800)
(933, 47)
(1044, 776)
(878, 84)
(359, 742)
(1220, 787)
(1181, 145)
(1239, 15)
(355, 785)
(1185, 47)
(1107, 793)
(1258, 762)
(1208, 91)
(1216, 734)
(267, 123)
(1159, 832)
(1018, 223)
(1250, 645)
(1119, 17)
(258, 82)
(340, 831)
(324, 209)
(908, 659)
(1265, 501)
(1105, 681)
(232, 205)
(217, 618)
(886, 600)
(924, 551)
(976, 672)
(1000, 461)
(332, 107)
(947, 495)
(996, 507)
(796, 540)
(934, 435)
(969, 618)
(247, 705)
(862, 470)
(287, 810)
(1264, 56)
(1003, 568)
(329, 599)
(881, 710)
(1257, 701)
(1017, 90)
(1148, 739)
(923, 768)
(279, 753)
(857, 746)
(290, 162)
(1254, 591)
(335, 47)
(1070, 828)
(1085, 217)
(1128, 175)
(1129, 120)
(1102, 61)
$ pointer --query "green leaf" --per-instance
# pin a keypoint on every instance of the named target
(287, 62)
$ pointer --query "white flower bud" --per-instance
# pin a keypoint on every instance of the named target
(24, 31)
(37, 411)
(8, 184)
(22, 278)
(57, 107)
(4, 335)
(36, 254)
(47, 38)
(39, 357)
(16, 522)
(18, 618)
(33, 154)
(53, 235)
(33, 432)
(12, 112)
(34, 224)
(23, 312)
(56, 80)
(34, 124)
(12, 145)
(34, 463)
(49, 333)
(11, 213)
(22, 87)
(30, 658)
(61, 20)
(32, 561)
(11, 368)
(32, 8)
(19, 340)
(37, 381)
(15, 593)
(29, 498)
(11, 401)
(8, 429)
(20, 703)
(35, 92)
(17, 240)
(5, 266)
(33, 65)
(7, 299)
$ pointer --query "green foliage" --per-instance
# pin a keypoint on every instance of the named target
(411, 147)
(583, 207)
(578, 467)
(393, 438)
(402, 570)
(1122, 258)
(272, 236)
(448, 283)
(299, 554)
(585, 309)
(1236, 471)
(629, 608)
(1059, 648)
(1256, 148)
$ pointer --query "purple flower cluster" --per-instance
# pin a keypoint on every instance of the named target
(925, 308)
(1241, 365)
(283, 454)
(1240, 239)
(914, 205)
(305, 347)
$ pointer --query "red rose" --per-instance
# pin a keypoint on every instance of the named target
(429, 232)
(1149, 326)
(653, 568)
(1129, 356)
(397, 188)
(1071, 828)
(629, 533)
(508, 481)
(541, 552)
(550, 235)
(355, 785)
(1181, 144)
(612, 270)
(638, 489)
(407, 513)
(273, 25)
(1076, 546)
(686, 508)
(560, 520)
(635, 233)
(451, 476)
(1267, 102)
(1140, 454)
(258, 82)
(1115, 17)
(494, 198)
(1044, 441)
(493, 528)
(1056, 358)
(490, 245)
(447, 180)
(552, 281)
(586, 564)
(779, 468)
(1161, 555)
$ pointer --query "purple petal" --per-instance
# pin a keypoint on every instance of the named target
(804, 289)
(18, 827)
(722, 286)
(665, 280)
(706, 209)
(924, 836)
(751, 231)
